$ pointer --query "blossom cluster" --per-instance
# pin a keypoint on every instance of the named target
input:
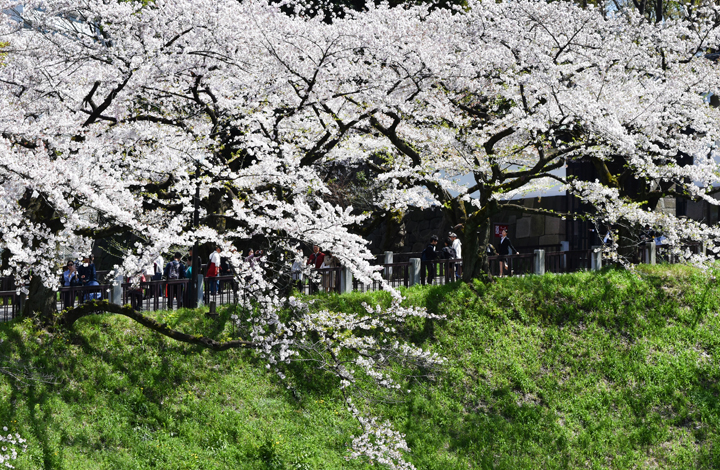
(8, 447)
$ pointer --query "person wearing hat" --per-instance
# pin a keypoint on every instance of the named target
(457, 246)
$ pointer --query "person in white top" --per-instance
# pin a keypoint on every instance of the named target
(215, 256)
(457, 246)
(213, 270)
(158, 266)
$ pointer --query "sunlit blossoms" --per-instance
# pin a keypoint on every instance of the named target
(113, 115)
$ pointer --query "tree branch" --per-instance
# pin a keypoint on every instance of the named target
(96, 307)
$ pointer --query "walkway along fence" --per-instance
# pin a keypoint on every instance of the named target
(398, 269)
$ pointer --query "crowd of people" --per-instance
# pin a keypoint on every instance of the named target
(77, 273)
(321, 261)
(452, 249)
(82, 272)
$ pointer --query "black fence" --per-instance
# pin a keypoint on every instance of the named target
(322, 280)
(9, 305)
(568, 261)
(221, 290)
(70, 296)
(169, 294)
(156, 295)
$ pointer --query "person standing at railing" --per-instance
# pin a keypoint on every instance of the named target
(457, 246)
(213, 270)
(506, 248)
(174, 271)
(135, 290)
(158, 268)
(427, 259)
(88, 276)
(329, 277)
(448, 253)
(297, 268)
(315, 260)
(70, 279)
(188, 270)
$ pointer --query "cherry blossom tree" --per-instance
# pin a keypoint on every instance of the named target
(114, 115)
(528, 87)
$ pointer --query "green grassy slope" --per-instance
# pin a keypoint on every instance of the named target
(590, 370)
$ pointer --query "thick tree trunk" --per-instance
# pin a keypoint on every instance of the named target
(627, 244)
(41, 301)
(474, 255)
(658, 11)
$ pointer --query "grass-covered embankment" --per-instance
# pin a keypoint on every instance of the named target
(608, 370)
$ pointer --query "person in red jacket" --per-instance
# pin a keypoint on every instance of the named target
(316, 258)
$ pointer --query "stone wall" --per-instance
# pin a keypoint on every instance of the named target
(412, 234)
(526, 230)
(534, 230)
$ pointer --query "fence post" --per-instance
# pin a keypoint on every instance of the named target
(539, 262)
(596, 258)
(116, 291)
(703, 248)
(388, 260)
(346, 280)
(652, 253)
(414, 271)
(21, 298)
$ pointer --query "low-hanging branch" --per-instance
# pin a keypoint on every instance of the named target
(98, 307)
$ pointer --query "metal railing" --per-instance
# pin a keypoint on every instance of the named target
(9, 305)
(69, 296)
(221, 290)
(568, 261)
(511, 264)
(406, 270)
(156, 295)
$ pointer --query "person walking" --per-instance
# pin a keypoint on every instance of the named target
(428, 260)
(506, 248)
